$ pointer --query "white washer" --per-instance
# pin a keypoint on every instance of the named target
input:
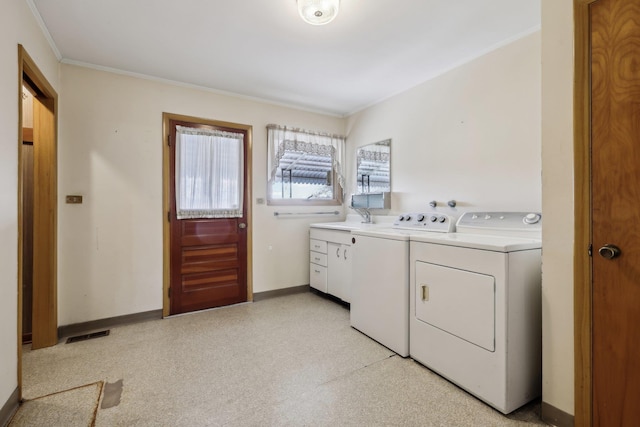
(475, 306)
(380, 278)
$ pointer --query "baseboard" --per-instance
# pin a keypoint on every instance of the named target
(9, 408)
(260, 296)
(554, 416)
(86, 327)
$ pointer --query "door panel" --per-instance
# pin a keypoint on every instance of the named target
(615, 210)
(45, 295)
(458, 302)
(208, 257)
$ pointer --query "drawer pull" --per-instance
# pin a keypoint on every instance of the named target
(317, 271)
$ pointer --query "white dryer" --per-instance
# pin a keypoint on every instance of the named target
(475, 306)
(380, 277)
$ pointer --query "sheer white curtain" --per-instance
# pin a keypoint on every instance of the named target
(209, 173)
(281, 138)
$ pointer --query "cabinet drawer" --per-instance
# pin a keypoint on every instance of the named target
(318, 258)
(318, 277)
(318, 246)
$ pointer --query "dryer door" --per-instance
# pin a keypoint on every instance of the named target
(458, 302)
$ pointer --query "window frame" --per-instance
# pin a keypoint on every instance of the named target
(338, 190)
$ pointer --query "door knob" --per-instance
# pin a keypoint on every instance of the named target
(609, 251)
(242, 225)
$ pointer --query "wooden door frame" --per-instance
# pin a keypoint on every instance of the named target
(583, 391)
(45, 320)
(166, 200)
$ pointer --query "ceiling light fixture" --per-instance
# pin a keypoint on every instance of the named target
(318, 12)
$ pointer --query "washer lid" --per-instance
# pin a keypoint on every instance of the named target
(479, 241)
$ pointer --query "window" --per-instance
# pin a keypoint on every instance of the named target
(209, 173)
(305, 167)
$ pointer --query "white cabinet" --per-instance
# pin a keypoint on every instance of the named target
(330, 262)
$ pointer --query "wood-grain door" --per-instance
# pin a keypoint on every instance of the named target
(208, 256)
(41, 262)
(615, 211)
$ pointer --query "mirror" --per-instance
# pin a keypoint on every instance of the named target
(373, 166)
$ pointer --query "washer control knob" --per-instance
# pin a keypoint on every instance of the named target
(433, 218)
(407, 218)
(474, 216)
(531, 218)
(487, 217)
(420, 217)
(401, 218)
(442, 219)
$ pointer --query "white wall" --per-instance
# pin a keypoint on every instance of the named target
(472, 134)
(17, 25)
(557, 203)
(110, 247)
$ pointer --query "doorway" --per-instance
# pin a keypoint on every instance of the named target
(607, 177)
(207, 233)
(37, 209)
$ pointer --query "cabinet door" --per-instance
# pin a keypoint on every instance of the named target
(339, 274)
(346, 261)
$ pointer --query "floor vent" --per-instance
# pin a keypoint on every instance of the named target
(87, 336)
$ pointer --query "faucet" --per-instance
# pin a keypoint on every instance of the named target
(364, 213)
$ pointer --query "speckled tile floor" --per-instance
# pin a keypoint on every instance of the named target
(286, 361)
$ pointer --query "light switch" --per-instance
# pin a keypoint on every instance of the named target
(74, 199)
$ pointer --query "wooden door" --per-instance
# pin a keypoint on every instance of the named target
(615, 211)
(45, 294)
(208, 257)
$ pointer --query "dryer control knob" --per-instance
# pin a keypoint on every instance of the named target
(433, 218)
(531, 218)
(407, 218)
(420, 218)
(442, 219)
(401, 218)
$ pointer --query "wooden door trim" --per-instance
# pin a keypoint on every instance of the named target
(28, 71)
(166, 200)
(583, 392)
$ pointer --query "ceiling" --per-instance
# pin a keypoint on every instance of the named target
(263, 50)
